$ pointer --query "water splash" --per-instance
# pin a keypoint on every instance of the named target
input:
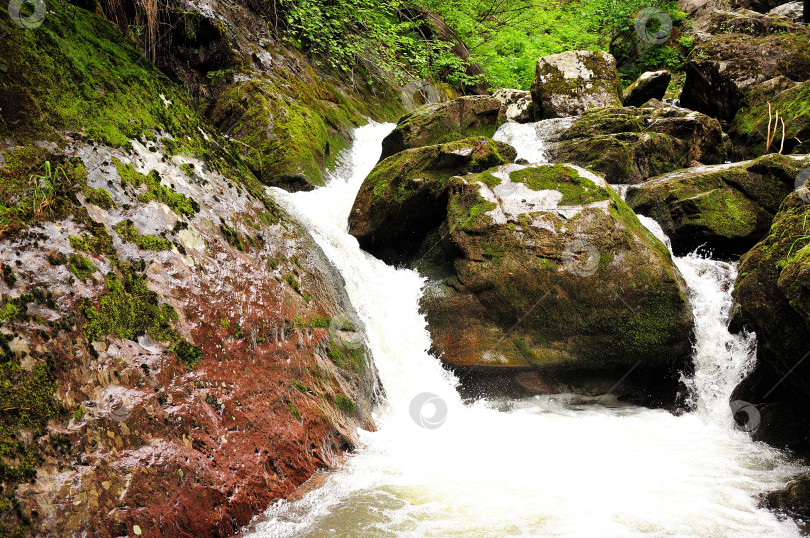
(545, 466)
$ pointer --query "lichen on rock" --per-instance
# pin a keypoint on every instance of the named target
(569, 83)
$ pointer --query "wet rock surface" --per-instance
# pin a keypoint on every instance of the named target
(630, 145)
(515, 244)
(465, 117)
(723, 209)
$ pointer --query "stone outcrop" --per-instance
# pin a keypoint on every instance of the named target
(750, 125)
(723, 69)
(630, 145)
(793, 11)
(405, 196)
(569, 83)
(465, 117)
(517, 104)
(771, 295)
(725, 209)
(536, 284)
(176, 352)
(650, 85)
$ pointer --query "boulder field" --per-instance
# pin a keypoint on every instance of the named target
(174, 347)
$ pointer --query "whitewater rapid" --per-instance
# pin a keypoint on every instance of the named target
(543, 466)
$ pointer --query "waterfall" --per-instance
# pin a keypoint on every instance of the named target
(559, 465)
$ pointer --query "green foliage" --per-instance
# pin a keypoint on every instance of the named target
(358, 34)
(81, 267)
(187, 353)
(128, 310)
(8, 276)
(508, 47)
(126, 229)
(345, 404)
(179, 203)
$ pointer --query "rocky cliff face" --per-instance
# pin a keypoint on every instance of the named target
(175, 351)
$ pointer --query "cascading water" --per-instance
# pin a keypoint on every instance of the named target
(542, 466)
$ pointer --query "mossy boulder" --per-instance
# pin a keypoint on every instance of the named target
(292, 124)
(542, 280)
(465, 117)
(772, 294)
(630, 145)
(517, 104)
(723, 69)
(750, 23)
(405, 196)
(793, 499)
(793, 11)
(725, 208)
(139, 256)
(749, 128)
(650, 85)
(569, 83)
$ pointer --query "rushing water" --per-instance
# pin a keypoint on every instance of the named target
(542, 466)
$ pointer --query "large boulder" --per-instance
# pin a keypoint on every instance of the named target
(726, 208)
(569, 83)
(405, 196)
(721, 70)
(543, 280)
(517, 104)
(750, 125)
(650, 85)
(793, 11)
(472, 115)
(750, 23)
(629, 145)
(772, 294)
(793, 499)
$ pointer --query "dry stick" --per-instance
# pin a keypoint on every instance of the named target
(768, 135)
(782, 147)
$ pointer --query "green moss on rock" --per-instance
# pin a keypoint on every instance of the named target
(36, 186)
(126, 229)
(129, 309)
(411, 189)
(750, 124)
(462, 118)
(81, 267)
(575, 189)
(177, 202)
(726, 209)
